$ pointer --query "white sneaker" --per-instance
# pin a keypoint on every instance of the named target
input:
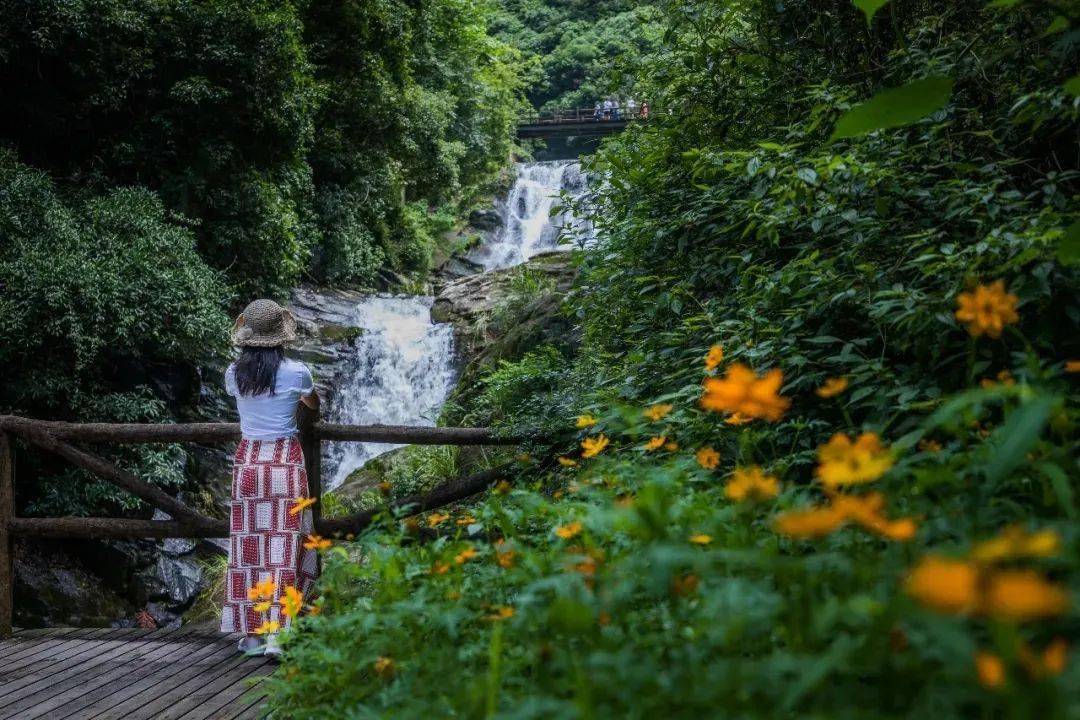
(272, 649)
(250, 646)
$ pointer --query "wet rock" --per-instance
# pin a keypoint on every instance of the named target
(173, 582)
(487, 219)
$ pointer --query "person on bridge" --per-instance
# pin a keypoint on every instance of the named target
(270, 564)
(598, 111)
(608, 105)
(644, 110)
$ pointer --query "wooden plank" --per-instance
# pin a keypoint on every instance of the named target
(157, 693)
(14, 664)
(100, 679)
(86, 656)
(203, 701)
(43, 644)
(256, 711)
(69, 654)
(228, 700)
(23, 638)
(7, 540)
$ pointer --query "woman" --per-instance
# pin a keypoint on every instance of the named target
(269, 518)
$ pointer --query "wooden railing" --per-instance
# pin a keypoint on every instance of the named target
(57, 438)
(584, 115)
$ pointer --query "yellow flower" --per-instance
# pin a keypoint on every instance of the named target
(436, 518)
(843, 462)
(291, 602)
(1072, 366)
(465, 555)
(701, 539)
(316, 542)
(1055, 657)
(261, 607)
(267, 627)
(1003, 378)
(671, 446)
(987, 309)
(1016, 542)
(262, 590)
(593, 446)
(385, 667)
(466, 520)
(751, 484)
(949, 586)
(658, 412)
(714, 357)
(504, 557)
(655, 443)
(990, 670)
(1023, 595)
(585, 421)
(737, 419)
(864, 510)
(502, 487)
(567, 462)
(439, 568)
(569, 530)
(707, 458)
(812, 523)
(300, 504)
(832, 387)
(741, 391)
(502, 612)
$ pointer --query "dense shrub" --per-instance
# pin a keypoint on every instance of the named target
(653, 572)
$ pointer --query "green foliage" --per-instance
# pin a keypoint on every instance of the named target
(735, 221)
(895, 107)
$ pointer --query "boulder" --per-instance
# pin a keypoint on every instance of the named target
(485, 219)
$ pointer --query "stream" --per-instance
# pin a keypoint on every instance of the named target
(404, 367)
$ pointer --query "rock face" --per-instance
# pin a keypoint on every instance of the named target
(493, 321)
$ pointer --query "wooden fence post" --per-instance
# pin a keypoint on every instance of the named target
(312, 447)
(7, 543)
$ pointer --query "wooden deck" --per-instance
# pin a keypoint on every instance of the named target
(129, 674)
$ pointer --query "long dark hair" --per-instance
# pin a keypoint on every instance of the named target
(256, 369)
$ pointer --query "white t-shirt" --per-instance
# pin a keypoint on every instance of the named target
(266, 416)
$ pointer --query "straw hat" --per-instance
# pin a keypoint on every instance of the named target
(264, 323)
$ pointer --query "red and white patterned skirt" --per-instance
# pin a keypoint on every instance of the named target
(265, 540)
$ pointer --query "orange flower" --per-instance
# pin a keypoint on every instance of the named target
(701, 539)
(741, 391)
(465, 520)
(439, 568)
(291, 602)
(1016, 542)
(832, 387)
(505, 557)
(262, 590)
(949, 586)
(465, 555)
(685, 584)
(436, 518)
(300, 504)
(502, 612)
(671, 446)
(987, 309)
(843, 462)
(267, 628)
(658, 411)
(1023, 595)
(316, 542)
(751, 484)
(584, 421)
(593, 446)
(385, 667)
(1055, 657)
(707, 458)
(737, 419)
(1072, 366)
(864, 510)
(990, 670)
(714, 357)
(655, 443)
(812, 523)
(262, 607)
(569, 530)
(567, 462)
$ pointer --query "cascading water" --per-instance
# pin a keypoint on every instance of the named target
(401, 374)
(528, 226)
(404, 366)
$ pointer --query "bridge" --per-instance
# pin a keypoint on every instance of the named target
(579, 122)
(194, 672)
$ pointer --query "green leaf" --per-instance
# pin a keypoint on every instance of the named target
(1072, 86)
(1068, 247)
(869, 7)
(1058, 24)
(1059, 481)
(1019, 433)
(895, 107)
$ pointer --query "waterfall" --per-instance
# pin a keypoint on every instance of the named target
(401, 374)
(528, 226)
(403, 370)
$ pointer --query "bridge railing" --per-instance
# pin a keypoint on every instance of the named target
(586, 115)
(185, 522)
